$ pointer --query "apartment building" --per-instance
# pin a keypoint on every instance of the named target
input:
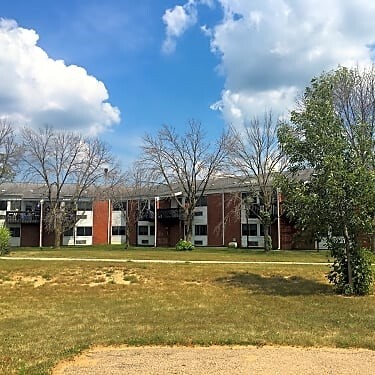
(153, 219)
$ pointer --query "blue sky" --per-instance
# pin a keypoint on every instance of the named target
(121, 68)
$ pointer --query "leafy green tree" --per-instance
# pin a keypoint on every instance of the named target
(4, 240)
(331, 186)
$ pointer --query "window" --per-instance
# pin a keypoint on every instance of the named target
(198, 242)
(119, 206)
(179, 199)
(84, 231)
(201, 230)
(15, 205)
(152, 205)
(84, 206)
(143, 230)
(152, 231)
(251, 206)
(202, 201)
(198, 213)
(15, 232)
(261, 230)
(143, 205)
(118, 231)
(3, 205)
(69, 232)
(249, 229)
(30, 205)
(253, 229)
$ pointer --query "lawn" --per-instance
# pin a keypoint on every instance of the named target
(199, 253)
(53, 310)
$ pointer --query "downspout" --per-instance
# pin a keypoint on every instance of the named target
(109, 223)
(278, 220)
(156, 220)
(223, 218)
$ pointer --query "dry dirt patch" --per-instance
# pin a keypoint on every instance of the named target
(220, 360)
(36, 281)
(108, 275)
(114, 276)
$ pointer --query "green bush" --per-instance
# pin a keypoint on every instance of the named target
(362, 274)
(268, 243)
(4, 240)
(184, 245)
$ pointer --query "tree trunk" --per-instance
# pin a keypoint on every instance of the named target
(57, 244)
(267, 242)
(127, 227)
(57, 229)
(189, 225)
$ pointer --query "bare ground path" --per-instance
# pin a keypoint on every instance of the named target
(220, 360)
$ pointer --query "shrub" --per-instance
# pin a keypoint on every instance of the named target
(361, 271)
(184, 245)
(268, 243)
(4, 240)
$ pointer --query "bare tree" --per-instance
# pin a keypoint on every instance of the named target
(254, 158)
(68, 164)
(123, 190)
(183, 162)
(10, 151)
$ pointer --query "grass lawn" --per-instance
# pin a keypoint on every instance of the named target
(199, 253)
(52, 310)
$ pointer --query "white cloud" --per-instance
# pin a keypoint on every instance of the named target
(269, 50)
(36, 90)
(238, 107)
(177, 21)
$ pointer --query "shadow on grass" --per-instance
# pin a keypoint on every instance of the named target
(276, 285)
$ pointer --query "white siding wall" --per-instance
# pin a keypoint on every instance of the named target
(85, 222)
(16, 241)
(258, 238)
(118, 220)
(146, 240)
(199, 240)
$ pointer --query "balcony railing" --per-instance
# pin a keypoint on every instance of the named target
(23, 217)
(170, 214)
(146, 215)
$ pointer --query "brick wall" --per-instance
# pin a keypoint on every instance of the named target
(215, 219)
(233, 220)
(101, 222)
(169, 233)
(30, 235)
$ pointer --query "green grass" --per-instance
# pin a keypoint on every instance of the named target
(199, 253)
(79, 304)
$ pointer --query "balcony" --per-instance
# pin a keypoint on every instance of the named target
(170, 214)
(146, 215)
(23, 217)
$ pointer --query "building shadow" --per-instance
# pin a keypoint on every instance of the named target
(275, 284)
